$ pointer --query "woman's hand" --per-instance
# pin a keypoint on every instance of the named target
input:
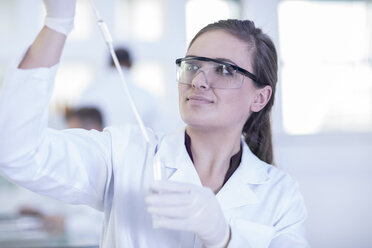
(188, 207)
(60, 15)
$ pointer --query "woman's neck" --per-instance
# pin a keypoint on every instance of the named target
(212, 151)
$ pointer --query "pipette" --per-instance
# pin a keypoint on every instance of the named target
(109, 42)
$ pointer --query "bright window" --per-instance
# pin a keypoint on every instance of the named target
(71, 80)
(326, 78)
(142, 71)
(122, 19)
(201, 13)
(84, 22)
(141, 20)
(148, 20)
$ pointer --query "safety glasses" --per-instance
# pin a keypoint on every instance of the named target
(219, 74)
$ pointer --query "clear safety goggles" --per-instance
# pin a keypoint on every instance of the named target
(219, 74)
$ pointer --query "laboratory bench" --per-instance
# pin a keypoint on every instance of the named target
(18, 231)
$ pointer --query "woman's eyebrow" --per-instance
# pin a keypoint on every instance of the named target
(226, 60)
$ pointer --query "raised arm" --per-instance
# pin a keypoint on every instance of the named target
(60, 164)
(45, 51)
(47, 48)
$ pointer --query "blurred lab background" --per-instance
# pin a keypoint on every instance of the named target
(322, 118)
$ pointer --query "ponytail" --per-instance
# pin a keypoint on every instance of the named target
(257, 135)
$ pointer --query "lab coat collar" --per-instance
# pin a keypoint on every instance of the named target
(235, 193)
(175, 159)
(251, 169)
(237, 190)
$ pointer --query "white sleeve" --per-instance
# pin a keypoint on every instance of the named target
(72, 165)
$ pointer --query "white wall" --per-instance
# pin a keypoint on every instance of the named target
(334, 170)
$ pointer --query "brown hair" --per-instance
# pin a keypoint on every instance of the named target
(124, 57)
(257, 129)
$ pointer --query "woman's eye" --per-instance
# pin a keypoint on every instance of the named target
(190, 67)
(225, 70)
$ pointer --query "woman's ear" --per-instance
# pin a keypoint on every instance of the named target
(263, 96)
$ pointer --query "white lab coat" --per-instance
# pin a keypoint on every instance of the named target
(110, 171)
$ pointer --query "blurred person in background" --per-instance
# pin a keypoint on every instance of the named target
(87, 118)
(107, 94)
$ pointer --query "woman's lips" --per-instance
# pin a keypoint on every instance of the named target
(199, 99)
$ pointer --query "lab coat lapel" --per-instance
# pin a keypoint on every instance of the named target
(237, 190)
(175, 159)
(235, 193)
(185, 171)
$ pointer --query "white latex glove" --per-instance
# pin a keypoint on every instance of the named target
(188, 207)
(60, 15)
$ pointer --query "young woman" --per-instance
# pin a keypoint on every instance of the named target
(219, 188)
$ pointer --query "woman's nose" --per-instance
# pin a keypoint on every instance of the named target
(200, 80)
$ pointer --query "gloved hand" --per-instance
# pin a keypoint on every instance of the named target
(188, 207)
(60, 15)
